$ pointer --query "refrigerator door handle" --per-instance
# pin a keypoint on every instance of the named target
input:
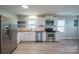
(6, 30)
(10, 31)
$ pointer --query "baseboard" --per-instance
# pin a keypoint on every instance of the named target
(69, 39)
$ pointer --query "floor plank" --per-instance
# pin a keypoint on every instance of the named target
(61, 47)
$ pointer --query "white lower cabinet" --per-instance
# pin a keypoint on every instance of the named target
(44, 36)
(57, 38)
(19, 37)
(28, 36)
(31, 36)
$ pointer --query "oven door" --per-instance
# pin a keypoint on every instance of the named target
(50, 36)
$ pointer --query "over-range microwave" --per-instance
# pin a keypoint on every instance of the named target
(49, 22)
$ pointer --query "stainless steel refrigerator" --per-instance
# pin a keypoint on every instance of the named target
(8, 37)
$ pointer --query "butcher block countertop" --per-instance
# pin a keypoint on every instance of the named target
(26, 30)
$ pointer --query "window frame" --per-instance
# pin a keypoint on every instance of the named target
(62, 26)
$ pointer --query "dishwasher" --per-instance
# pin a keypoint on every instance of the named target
(39, 36)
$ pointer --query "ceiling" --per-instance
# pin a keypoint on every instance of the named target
(42, 9)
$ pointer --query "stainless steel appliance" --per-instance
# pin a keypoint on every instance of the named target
(49, 22)
(8, 37)
(50, 34)
(39, 36)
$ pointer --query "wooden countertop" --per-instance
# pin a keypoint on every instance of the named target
(25, 30)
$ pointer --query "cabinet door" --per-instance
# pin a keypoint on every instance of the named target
(44, 36)
(22, 36)
(41, 21)
(19, 37)
(57, 37)
(32, 36)
(28, 36)
(25, 36)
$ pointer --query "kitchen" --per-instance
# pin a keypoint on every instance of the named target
(39, 29)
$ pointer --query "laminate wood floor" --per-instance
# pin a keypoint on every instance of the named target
(61, 47)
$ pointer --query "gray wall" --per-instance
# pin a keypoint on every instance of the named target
(70, 30)
(8, 14)
(78, 26)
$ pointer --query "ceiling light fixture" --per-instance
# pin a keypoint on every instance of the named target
(24, 6)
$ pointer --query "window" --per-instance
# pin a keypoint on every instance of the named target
(31, 24)
(60, 25)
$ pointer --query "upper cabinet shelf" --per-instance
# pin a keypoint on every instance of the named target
(21, 24)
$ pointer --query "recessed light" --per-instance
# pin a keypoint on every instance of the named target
(24, 6)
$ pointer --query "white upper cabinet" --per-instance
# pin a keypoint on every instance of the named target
(41, 21)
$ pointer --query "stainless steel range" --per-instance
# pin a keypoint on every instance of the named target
(50, 33)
